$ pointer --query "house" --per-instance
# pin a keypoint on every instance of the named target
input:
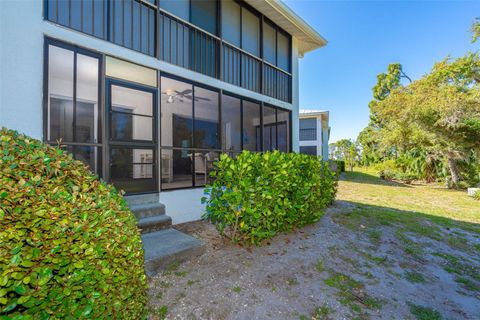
(314, 132)
(148, 93)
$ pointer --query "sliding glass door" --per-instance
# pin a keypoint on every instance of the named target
(132, 130)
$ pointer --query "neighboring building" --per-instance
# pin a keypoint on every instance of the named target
(149, 92)
(314, 133)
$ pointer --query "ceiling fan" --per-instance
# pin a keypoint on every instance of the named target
(181, 95)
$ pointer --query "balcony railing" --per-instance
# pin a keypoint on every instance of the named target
(186, 46)
(308, 134)
(141, 26)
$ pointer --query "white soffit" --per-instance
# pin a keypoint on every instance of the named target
(308, 38)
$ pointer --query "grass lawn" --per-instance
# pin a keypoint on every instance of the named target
(364, 187)
(384, 250)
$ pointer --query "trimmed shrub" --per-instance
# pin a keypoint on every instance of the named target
(69, 244)
(257, 195)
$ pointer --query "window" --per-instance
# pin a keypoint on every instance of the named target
(132, 169)
(250, 32)
(176, 113)
(269, 128)
(276, 46)
(231, 12)
(121, 69)
(206, 119)
(311, 150)
(251, 123)
(204, 14)
(180, 8)
(269, 43)
(231, 123)
(72, 102)
(132, 114)
(308, 129)
(283, 51)
(283, 130)
(190, 133)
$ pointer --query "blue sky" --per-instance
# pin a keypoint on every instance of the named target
(363, 38)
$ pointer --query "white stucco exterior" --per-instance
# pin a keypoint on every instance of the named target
(22, 34)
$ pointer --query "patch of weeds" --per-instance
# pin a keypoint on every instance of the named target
(375, 236)
(164, 284)
(159, 295)
(456, 265)
(322, 313)
(292, 282)
(247, 264)
(467, 283)
(274, 289)
(171, 268)
(319, 265)
(191, 282)
(414, 277)
(160, 313)
(458, 242)
(477, 247)
(424, 313)
(410, 247)
(351, 292)
(180, 296)
(180, 273)
(375, 259)
(237, 289)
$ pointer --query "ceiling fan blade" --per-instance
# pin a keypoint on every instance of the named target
(184, 92)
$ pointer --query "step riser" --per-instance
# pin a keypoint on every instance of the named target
(149, 211)
(152, 226)
(155, 266)
(142, 199)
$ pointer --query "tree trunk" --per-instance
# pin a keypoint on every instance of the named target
(452, 165)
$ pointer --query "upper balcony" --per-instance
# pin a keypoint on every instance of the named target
(227, 40)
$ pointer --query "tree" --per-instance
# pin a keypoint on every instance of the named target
(476, 29)
(442, 110)
(345, 150)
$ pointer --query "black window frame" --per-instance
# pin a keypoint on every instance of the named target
(100, 143)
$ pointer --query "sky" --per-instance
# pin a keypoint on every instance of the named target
(364, 37)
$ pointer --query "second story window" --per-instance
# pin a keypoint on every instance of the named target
(202, 13)
(308, 129)
(276, 46)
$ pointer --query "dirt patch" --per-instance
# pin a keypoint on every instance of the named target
(327, 271)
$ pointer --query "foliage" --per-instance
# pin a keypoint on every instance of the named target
(428, 125)
(70, 246)
(475, 29)
(345, 150)
(424, 313)
(257, 195)
(476, 195)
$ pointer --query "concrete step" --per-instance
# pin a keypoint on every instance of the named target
(140, 199)
(164, 247)
(154, 223)
(148, 210)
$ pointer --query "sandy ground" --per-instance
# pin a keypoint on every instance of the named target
(326, 266)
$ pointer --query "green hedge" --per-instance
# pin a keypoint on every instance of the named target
(69, 244)
(257, 195)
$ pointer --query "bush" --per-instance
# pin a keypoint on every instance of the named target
(257, 195)
(69, 244)
(476, 195)
(340, 165)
